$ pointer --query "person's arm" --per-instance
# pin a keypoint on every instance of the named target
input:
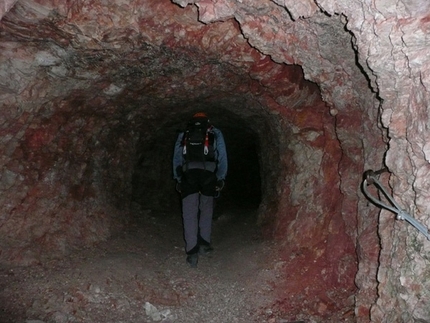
(222, 155)
(177, 158)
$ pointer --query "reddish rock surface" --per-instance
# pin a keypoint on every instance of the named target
(310, 94)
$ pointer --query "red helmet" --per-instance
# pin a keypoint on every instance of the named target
(200, 115)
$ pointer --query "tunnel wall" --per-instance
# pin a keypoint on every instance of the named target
(65, 181)
(319, 250)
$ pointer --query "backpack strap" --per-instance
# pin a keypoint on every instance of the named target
(184, 143)
(206, 148)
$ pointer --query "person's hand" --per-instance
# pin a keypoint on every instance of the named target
(219, 185)
(178, 187)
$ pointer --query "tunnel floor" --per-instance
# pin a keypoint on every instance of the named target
(141, 277)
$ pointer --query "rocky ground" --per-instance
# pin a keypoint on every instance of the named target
(141, 276)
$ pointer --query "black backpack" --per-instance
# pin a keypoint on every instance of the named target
(198, 141)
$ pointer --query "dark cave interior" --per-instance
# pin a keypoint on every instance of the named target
(95, 124)
(153, 170)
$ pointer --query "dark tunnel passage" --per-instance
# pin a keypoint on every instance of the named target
(153, 170)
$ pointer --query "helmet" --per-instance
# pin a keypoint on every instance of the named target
(199, 118)
(200, 115)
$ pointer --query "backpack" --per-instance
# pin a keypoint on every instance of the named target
(198, 141)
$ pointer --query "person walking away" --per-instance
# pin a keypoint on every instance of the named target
(200, 168)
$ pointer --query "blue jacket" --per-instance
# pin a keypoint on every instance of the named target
(220, 155)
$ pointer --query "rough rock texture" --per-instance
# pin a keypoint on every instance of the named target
(136, 277)
(324, 89)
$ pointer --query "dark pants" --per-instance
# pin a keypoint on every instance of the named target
(197, 192)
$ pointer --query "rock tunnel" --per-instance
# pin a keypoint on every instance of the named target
(309, 96)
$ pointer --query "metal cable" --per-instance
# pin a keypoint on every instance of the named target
(370, 178)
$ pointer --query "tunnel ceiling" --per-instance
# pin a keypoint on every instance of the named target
(142, 55)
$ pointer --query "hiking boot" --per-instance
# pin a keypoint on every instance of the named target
(205, 250)
(193, 259)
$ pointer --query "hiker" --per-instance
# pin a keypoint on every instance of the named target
(200, 168)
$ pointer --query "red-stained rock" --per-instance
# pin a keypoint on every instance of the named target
(6, 6)
(90, 88)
